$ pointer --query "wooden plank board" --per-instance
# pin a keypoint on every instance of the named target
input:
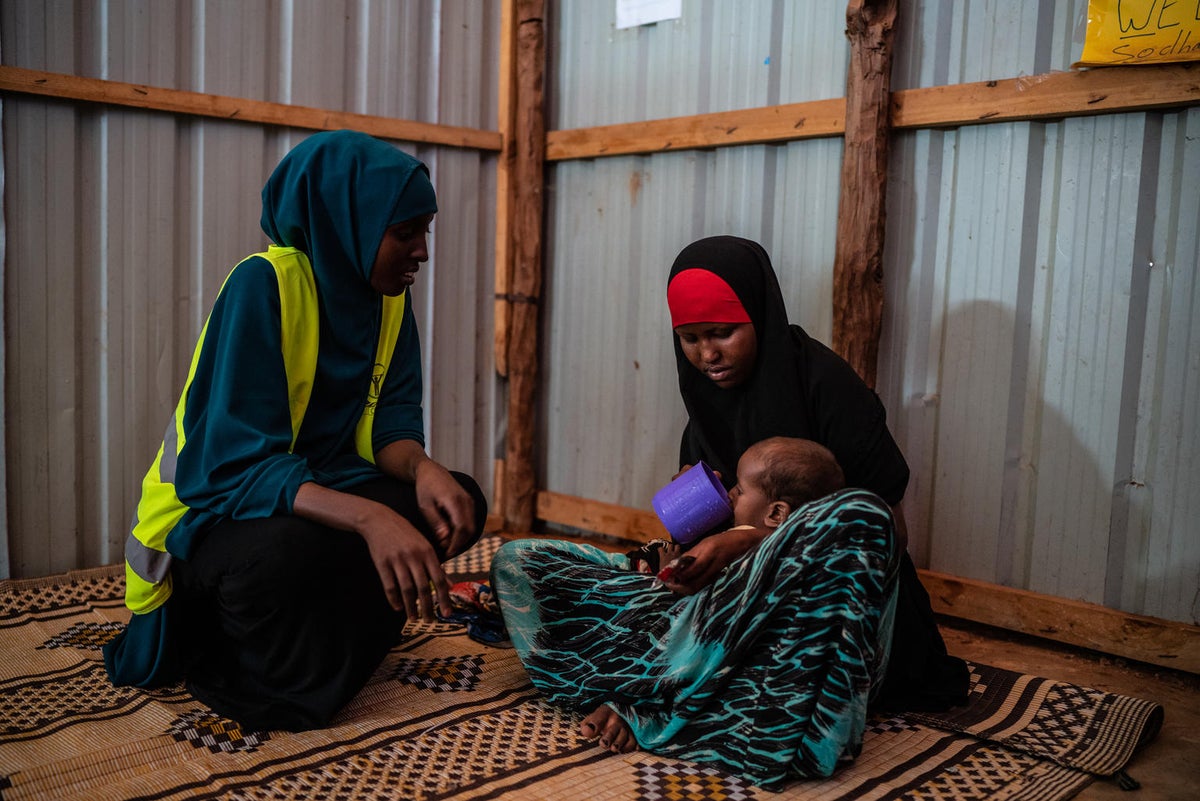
(862, 202)
(505, 200)
(524, 295)
(1107, 90)
(1146, 639)
(1053, 95)
(609, 519)
(818, 118)
(95, 90)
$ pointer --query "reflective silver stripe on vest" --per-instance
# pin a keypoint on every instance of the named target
(151, 565)
(170, 457)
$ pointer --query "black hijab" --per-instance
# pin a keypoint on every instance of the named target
(797, 387)
(800, 388)
(723, 423)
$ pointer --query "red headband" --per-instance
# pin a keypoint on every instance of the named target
(699, 296)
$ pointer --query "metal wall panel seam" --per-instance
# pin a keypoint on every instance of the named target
(1127, 480)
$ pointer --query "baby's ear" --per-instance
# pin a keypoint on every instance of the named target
(777, 512)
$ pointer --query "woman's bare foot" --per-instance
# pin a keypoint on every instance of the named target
(606, 724)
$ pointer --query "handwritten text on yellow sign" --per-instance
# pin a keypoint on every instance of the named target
(1141, 32)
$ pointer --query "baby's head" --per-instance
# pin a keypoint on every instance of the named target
(777, 475)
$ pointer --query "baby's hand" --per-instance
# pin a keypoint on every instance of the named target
(706, 559)
(669, 554)
(674, 567)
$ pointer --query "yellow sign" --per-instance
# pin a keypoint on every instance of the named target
(1141, 32)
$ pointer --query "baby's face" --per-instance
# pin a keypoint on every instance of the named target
(750, 503)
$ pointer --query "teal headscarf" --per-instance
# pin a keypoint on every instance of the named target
(335, 193)
(333, 196)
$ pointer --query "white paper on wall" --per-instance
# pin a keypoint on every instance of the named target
(631, 13)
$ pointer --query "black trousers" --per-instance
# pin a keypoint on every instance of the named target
(921, 675)
(284, 619)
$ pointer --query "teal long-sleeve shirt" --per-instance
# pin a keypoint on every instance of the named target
(236, 461)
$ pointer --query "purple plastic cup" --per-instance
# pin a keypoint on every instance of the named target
(692, 504)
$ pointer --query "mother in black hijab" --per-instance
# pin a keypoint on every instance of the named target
(745, 375)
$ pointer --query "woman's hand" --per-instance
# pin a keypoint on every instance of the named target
(446, 505)
(408, 566)
(682, 470)
(688, 467)
(701, 565)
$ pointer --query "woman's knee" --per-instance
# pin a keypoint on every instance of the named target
(480, 505)
(401, 497)
(282, 561)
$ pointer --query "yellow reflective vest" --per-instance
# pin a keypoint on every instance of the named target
(147, 562)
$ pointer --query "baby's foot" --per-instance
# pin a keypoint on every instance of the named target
(613, 732)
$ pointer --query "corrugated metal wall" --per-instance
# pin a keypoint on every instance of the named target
(1041, 376)
(613, 415)
(1042, 365)
(121, 224)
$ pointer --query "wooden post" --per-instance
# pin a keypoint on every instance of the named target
(858, 263)
(525, 285)
(505, 200)
(505, 203)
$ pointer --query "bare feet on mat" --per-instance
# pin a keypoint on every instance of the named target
(606, 724)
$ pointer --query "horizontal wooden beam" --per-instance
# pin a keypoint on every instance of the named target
(1107, 90)
(1080, 93)
(175, 101)
(609, 519)
(1055, 95)
(1146, 639)
(753, 126)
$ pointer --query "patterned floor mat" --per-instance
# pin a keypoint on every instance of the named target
(446, 717)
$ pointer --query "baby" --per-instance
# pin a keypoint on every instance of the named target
(774, 478)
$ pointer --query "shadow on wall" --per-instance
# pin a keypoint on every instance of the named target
(1005, 487)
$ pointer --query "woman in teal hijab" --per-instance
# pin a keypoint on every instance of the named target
(293, 521)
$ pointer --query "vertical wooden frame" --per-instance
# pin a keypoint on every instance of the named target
(858, 263)
(519, 274)
(506, 123)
